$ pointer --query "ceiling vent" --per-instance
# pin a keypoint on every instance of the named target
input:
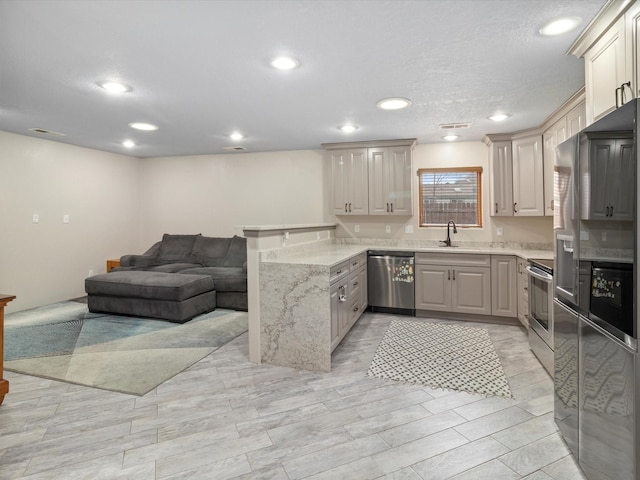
(454, 126)
(42, 131)
(235, 148)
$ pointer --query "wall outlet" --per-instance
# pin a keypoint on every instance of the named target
(584, 235)
(35, 218)
(356, 228)
(387, 228)
(65, 219)
(91, 273)
(408, 229)
(499, 231)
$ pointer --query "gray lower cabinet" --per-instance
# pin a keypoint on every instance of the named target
(348, 296)
(504, 286)
(523, 292)
(458, 283)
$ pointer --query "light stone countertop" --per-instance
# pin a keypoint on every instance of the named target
(330, 255)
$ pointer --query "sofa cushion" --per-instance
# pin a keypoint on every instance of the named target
(176, 247)
(172, 267)
(149, 285)
(225, 279)
(210, 251)
(237, 254)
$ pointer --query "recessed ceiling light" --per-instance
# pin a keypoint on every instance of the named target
(560, 25)
(395, 103)
(284, 63)
(499, 117)
(347, 128)
(128, 144)
(115, 87)
(236, 136)
(147, 127)
(450, 138)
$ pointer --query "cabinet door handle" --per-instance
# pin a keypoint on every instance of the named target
(454, 274)
(355, 284)
(387, 207)
(338, 273)
(496, 207)
(606, 212)
(515, 207)
(349, 207)
(552, 205)
(448, 274)
(611, 210)
(345, 208)
(391, 207)
(356, 308)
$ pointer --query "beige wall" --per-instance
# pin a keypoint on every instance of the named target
(119, 204)
(47, 262)
(216, 194)
(458, 154)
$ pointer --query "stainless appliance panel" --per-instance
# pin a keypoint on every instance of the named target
(606, 407)
(391, 281)
(541, 304)
(565, 220)
(565, 373)
(541, 350)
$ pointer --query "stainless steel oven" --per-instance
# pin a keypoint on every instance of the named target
(541, 311)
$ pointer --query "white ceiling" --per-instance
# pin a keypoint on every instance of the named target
(200, 69)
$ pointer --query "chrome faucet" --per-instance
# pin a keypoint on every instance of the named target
(447, 242)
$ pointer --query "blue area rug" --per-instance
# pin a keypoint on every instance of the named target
(64, 341)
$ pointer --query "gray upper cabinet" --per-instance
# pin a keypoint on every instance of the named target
(349, 186)
(605, 71)
(576, 119)
(610, 48)
(501, 168)
(528, 179)
(607, 172)
(371, 178)
(390, 181)
(555, 135)
(565, 127)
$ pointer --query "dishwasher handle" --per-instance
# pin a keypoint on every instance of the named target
(385, 253)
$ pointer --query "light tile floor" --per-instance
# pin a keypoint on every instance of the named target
(228, 418)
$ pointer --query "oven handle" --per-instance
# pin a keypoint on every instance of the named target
(545, 277)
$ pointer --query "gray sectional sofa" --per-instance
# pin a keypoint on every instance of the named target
(177, 278)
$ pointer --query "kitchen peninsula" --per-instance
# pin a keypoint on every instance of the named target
(292, 318)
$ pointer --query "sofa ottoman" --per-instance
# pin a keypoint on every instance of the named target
(175, 297)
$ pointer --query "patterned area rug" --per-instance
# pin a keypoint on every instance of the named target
(440, 355)
(64, 341)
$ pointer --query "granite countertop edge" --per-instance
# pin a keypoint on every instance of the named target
(333, 255)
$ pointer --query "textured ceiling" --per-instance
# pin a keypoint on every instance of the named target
(199, 69)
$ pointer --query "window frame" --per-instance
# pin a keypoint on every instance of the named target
(476, 170)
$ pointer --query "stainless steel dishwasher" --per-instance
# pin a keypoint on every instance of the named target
(391, 282)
